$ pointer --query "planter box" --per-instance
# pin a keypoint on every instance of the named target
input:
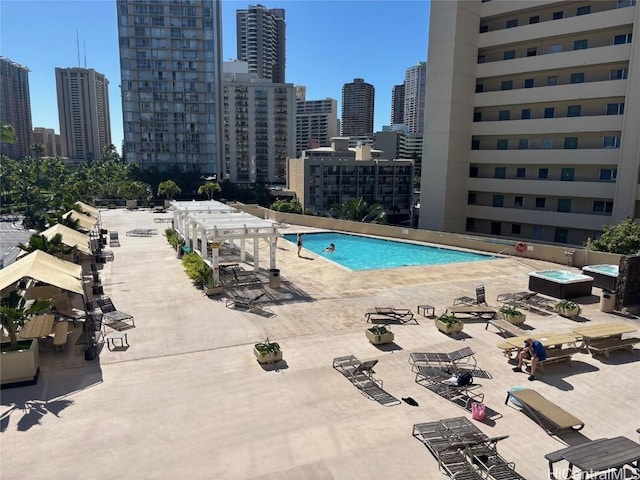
(20, 365)
(514, 319)
(449, 329)
(379, 339)
(268, 358)
(567, 312)
(209, 291)
(132, 204)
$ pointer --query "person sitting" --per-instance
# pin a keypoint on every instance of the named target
(330, 249)
(534, 350)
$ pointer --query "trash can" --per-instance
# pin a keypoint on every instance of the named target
(274, 278)
(607, 301)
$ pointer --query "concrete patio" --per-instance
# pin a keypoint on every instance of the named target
(187, 399)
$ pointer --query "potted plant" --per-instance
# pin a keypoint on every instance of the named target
(267, 352)
(379, 334)
(567, 308)
(449, 324)
(512, 315)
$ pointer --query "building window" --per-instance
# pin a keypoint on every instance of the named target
(471, 224)
(564, 205)
(502, 144)
(546, 143)
(529, 83)
(540, 202)
(498, 201)
(583, 10)
(574, 110)
(521, 172)
(601, 206)
(479, 88)
(482, 58)
(518, 201)
(624, 38)
(471, 198)
(477, 116)
(534, 19)
(523, 144)
(577, 78)
(537, 231)
(543, 173)
(561, 235)
(506, 85)
(555, 48)
(473, 172)
(615, 108)
(512, 23)
(532, 52)
(566, 174)
(504, 115)
(475, 144)
(580, 44)
(558, 15)
(608, 174)
(484, 28)
(611, 142)
(552, 80)
(500, 172)
(509, 55)
(626, 3)
(618, 74)
(496, 228)
(549, 112)
(525, 114)
(516, 228)
(570, 143)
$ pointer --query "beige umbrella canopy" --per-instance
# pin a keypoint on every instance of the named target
(70, 237)
(88, 209)
(84, 221)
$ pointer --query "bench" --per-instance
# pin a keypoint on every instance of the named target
(555, 355)
(607, 345)
(507, 328)
(60, 332)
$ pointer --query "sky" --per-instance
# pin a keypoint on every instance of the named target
(329, 43)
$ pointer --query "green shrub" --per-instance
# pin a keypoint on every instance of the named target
(267, 347)
(380, 330)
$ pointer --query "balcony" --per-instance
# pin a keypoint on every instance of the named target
(574, 125)
(552, 188)
(579, 221)
(593, 156)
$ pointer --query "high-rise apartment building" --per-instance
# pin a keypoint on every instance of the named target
(171, 69)
(46, 137)
(316, 122)
(358, 99)
(542, 117)
(415, 83)
(397, 105)
(259, 127)
(260, 35)
(15, 108)
(83, 111)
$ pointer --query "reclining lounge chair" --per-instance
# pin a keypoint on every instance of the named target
(457, 361)
(402, 315)
(444, 384)
(112, 317)
(480, 299)
(360, 374)
(548, 415)
(248, 303)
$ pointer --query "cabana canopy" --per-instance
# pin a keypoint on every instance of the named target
(70, 237)
(86, 222)
(45, 268)
(88, 209)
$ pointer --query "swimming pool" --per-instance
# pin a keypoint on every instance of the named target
(356, 252)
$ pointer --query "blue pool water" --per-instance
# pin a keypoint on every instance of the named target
(364, 253)
(561, 276)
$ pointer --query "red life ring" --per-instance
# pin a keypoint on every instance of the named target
(521, 247)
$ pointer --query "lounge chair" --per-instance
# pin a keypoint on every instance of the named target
(114, 241)
(443, 383)
(458, 360)
(248, 303)
(113, 317)
(481, 312)
(360, 374)
(402, 315)
(506, 328)
(480, 298)
(63, 307)
(484, 455)
(548, 415)
(517, 299)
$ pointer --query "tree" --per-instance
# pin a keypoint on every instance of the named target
(287, 206)
(135, 191)
(623, 239)
(357, 209)
(53, 246)
(110, 154)
(7, 133)
(209, 189)
(14, 313)
(168, 188)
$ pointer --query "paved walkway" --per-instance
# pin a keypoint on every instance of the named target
(188, 400)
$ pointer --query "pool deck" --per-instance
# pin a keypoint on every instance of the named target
(188, 400)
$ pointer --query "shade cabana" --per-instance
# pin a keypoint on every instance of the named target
(88, 209)
(70, 237)
(84, 221)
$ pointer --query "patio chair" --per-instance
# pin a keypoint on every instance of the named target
(114, 241)
(480, 298)
(113, 317)
(444, 384)
(360, 374)
(248, 303)
(549, 416)
(456, 361)
(402, 315)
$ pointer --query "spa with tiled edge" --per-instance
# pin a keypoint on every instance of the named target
(604, 276)
(560, 283)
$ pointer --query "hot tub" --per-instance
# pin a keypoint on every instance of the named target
(604, 276)
(560, 283)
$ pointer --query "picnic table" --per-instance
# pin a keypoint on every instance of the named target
(552, 341)
(607, 330)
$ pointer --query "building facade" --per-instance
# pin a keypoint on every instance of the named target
(541, 140)
(15, 108)
(358, 98)
(261, 42)
(316, 122)
(326, 176)
(259, 128)
(415, 85)
(171, 84)
(46, 137)
(397, 104)
(83, 111)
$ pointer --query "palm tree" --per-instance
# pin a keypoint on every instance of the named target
(169, 188)
(53, 246)
(14, 314)
(357, 209)
(209, 189)
(7, 133)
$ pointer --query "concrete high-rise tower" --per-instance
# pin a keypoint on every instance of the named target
(171, 69)
(415, 84)
(316, 122)
(260, 35)
(15, 108)
(358, 99)
(397, 104)
(83, 111)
